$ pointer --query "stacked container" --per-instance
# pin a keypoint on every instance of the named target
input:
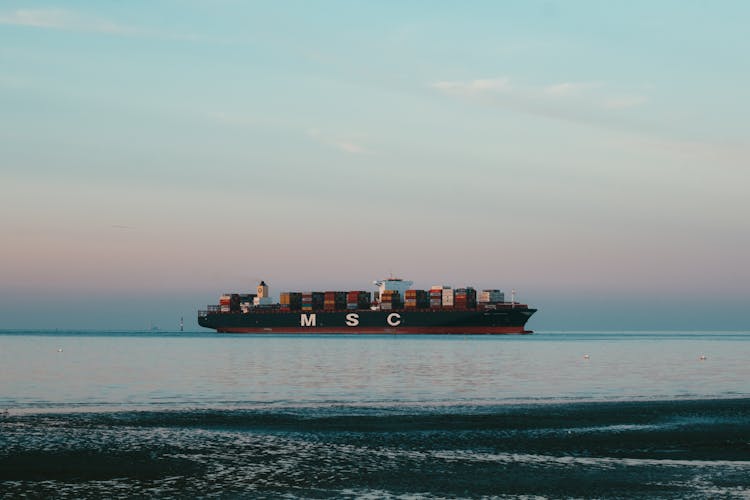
(295, 301)
(410, 299)
(224, 302)
(390, 299)
(493, 296)
(234, 302)
(436, 296)
(357, 299)
(290, 301)
(417, 299)
(284, 301)
(447, 297)
(312, 301)
(334, 301)
(307, 301)
(465, 298)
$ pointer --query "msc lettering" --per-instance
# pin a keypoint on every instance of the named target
(352, 319)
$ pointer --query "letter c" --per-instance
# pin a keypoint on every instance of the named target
(394, 319)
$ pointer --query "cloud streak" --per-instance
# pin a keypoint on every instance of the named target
(63, 20)
(569, 88)
(592, 95)
(68, 20)
(343, 144)
(475, 87)
(590, 103)
(623, 102)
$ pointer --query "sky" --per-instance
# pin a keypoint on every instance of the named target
(591, 155)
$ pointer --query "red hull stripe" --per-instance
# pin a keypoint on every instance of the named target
(432, 330)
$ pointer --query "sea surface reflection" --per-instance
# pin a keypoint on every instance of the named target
(209, 370)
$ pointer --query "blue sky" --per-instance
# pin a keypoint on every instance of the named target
(156, 154)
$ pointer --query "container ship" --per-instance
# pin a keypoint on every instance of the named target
(394, 308)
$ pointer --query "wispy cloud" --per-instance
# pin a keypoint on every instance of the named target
(569, 88)
(349, 147)
(623, 102)
(590, 94)
(475, 87)
(69, 20)
(345, 144)
(584, 102)
(63, 19)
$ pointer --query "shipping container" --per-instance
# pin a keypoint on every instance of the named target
(494, 296)
(334, 301)
(447, 297)
(312, 301)
(358, 299)
(419, 299)
(392, 298)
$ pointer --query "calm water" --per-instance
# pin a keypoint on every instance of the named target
(552, 414)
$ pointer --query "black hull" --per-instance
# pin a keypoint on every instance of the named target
(501, 321)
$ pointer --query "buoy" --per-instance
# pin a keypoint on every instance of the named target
(703, 357)
(586, 356)
(59, 350)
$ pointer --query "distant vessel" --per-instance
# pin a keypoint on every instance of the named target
(393, 308)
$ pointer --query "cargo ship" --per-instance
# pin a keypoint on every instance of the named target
(394, 308)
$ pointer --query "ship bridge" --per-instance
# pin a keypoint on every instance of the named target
(397, 284)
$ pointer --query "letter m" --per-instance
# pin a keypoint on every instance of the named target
(307, 320)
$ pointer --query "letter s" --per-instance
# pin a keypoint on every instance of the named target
(352, 319)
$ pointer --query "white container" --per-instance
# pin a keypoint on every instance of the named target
(447, 296)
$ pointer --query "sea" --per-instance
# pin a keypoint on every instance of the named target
(99, 414)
